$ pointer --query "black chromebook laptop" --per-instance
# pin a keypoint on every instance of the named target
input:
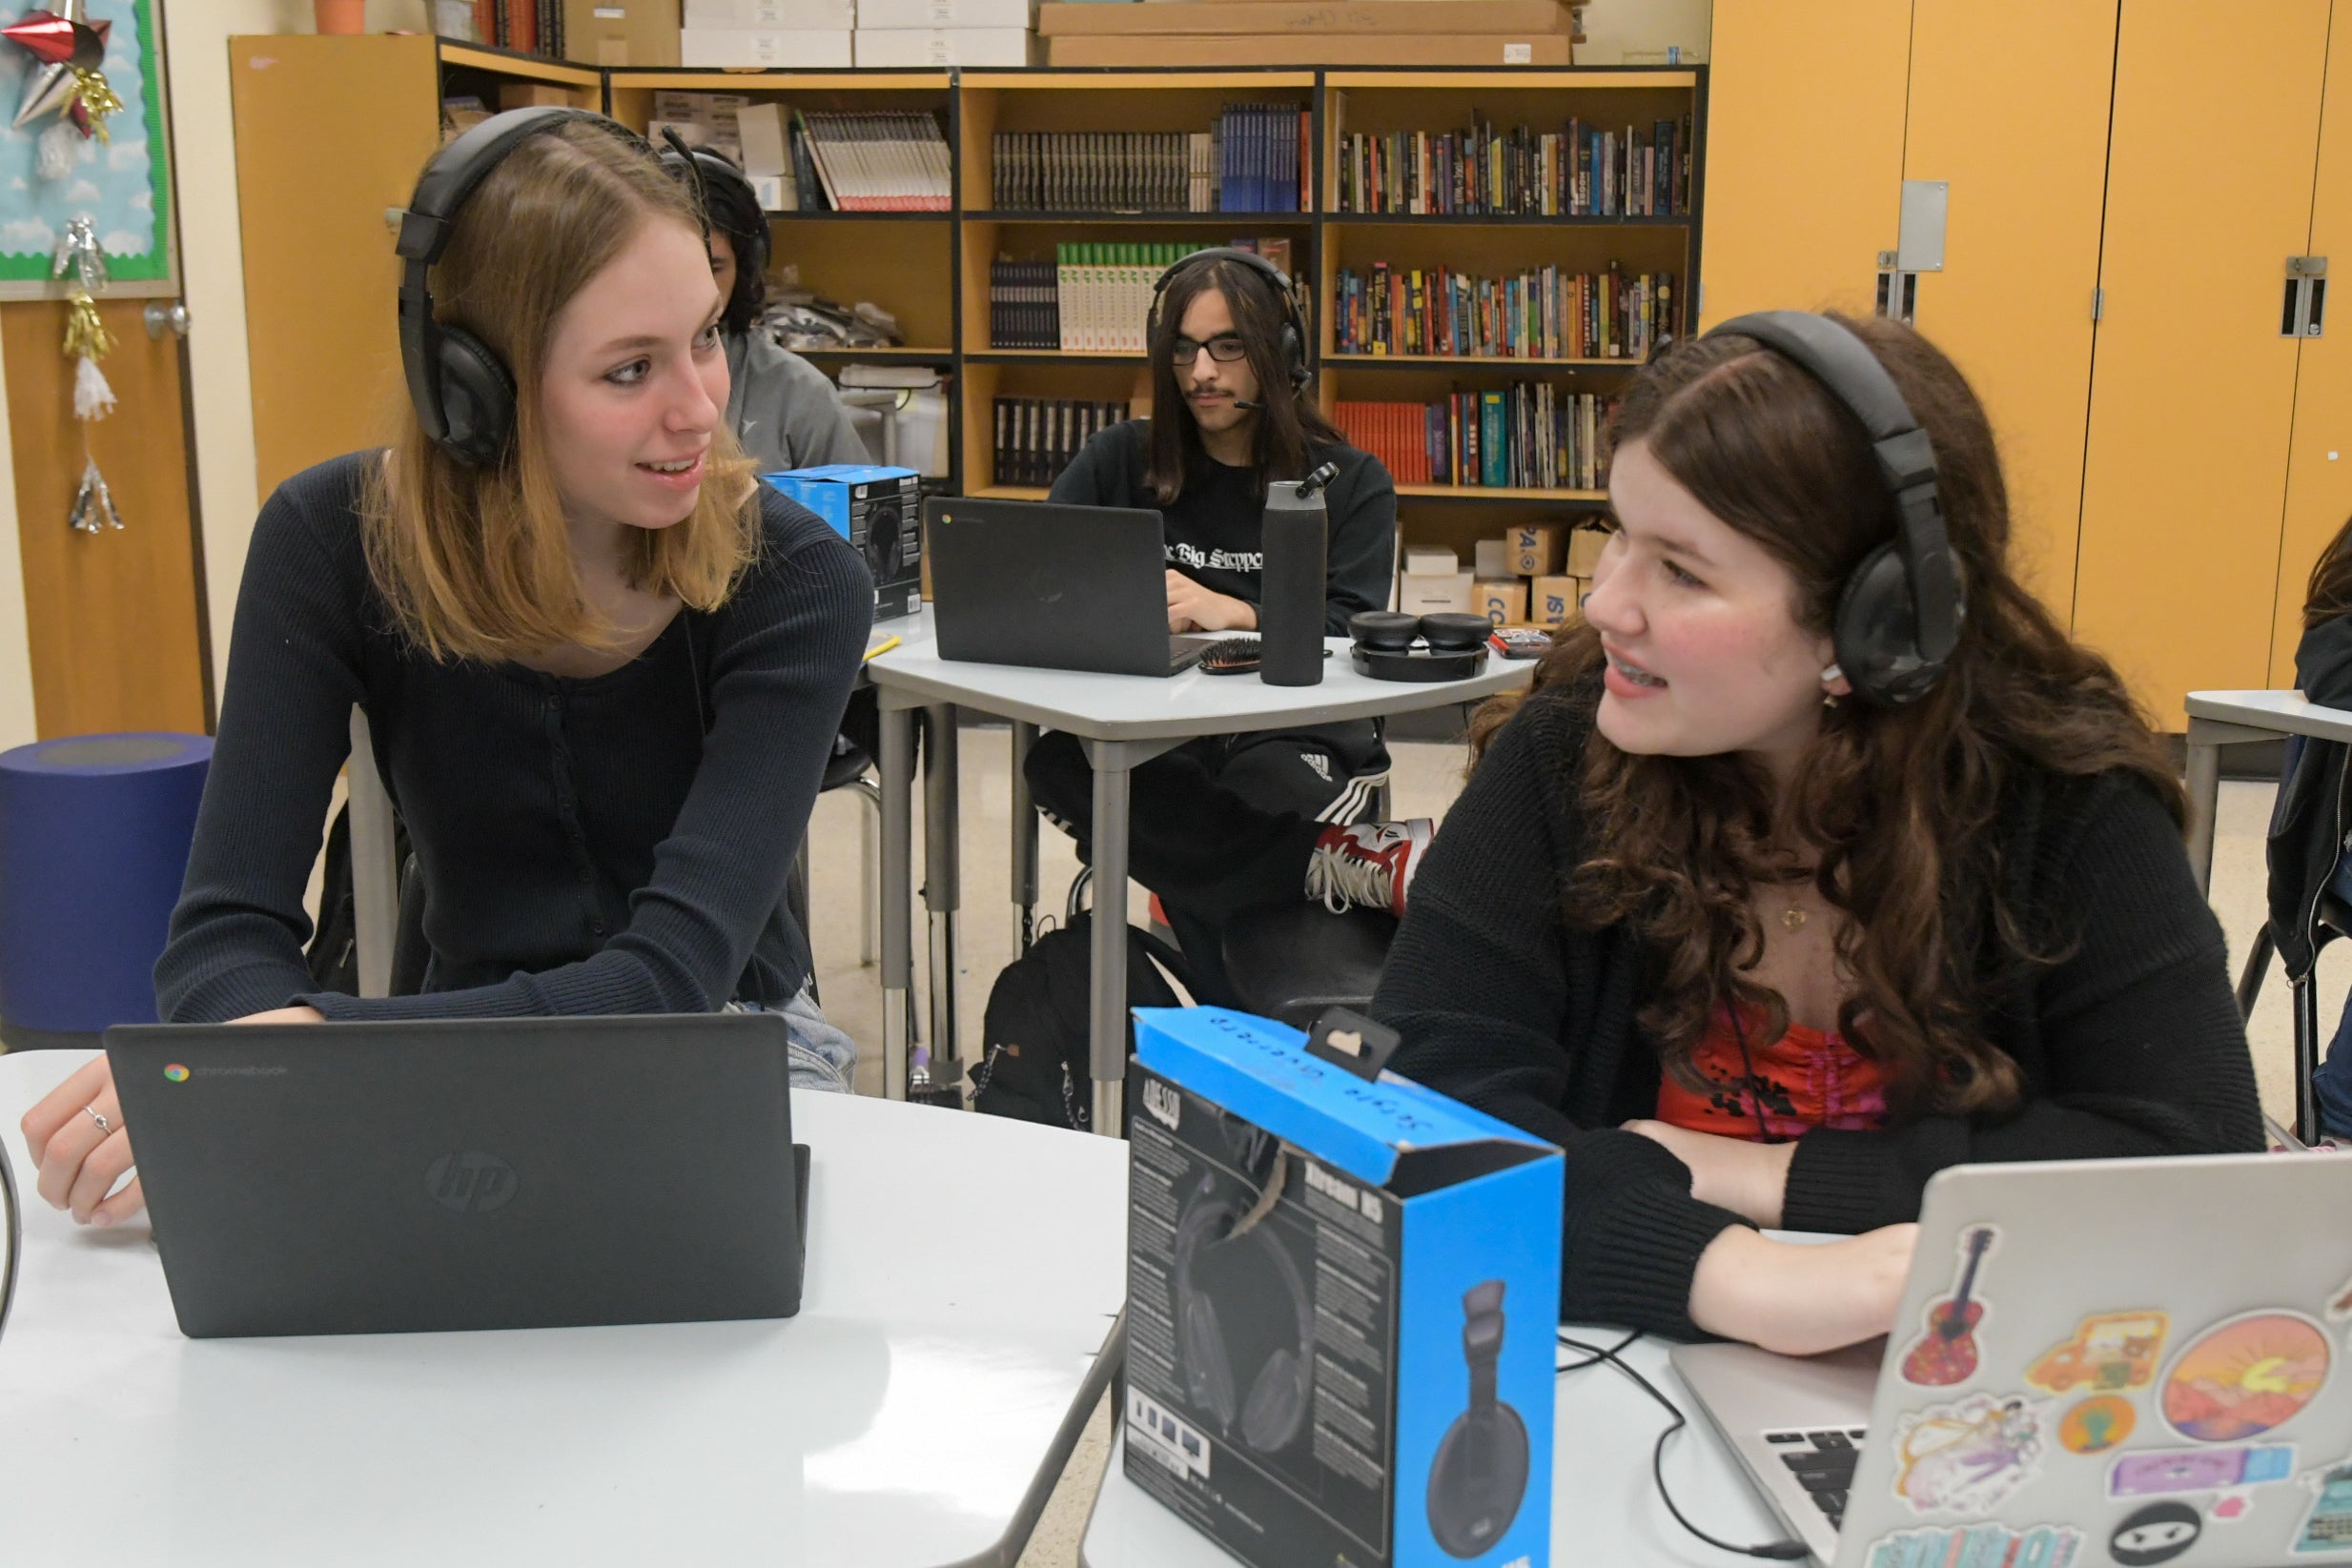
(508, 1173)
(1051, 586)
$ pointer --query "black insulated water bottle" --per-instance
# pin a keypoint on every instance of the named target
(1290, 616)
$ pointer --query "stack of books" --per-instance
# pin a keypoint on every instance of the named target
(1103, 171)
(1038, 436)
(1544, 314)
(871, 161)
(1578, 171)
(1528, 435)
(1310, 32)
(1092, 298)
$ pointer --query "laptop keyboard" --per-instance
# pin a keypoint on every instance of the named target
(1823, 1463)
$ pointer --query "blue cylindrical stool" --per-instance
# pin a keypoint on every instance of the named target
(94, 833)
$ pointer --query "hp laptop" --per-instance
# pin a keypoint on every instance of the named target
(1053, 587)
(2120, 1361)
(511, 1174)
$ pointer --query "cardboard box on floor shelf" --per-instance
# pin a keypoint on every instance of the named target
(1301, 49)
(622, 32)
(1502, 602)
(902, 47)
(1341, 1288)
(720, 47)
(1441, 18)
(1553, 601)
(1449, 594)
(534, 95)
(1537, 549)
(1584, 547)
(879, 14)
(771, 15)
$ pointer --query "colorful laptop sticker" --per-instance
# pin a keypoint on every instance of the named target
(2096, 1425)
(1979, 1546)
(2109, 1352)
(1945, 1352)
(2246, 1376)
(2339, 1302)
(2328, 1526)
(1967, 1457)
(2159, 1472)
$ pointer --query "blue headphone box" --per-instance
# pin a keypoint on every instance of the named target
(1341, 1298)
(880, 512)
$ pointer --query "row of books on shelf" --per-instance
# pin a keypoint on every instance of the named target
(1580, 172)
(535, 27)
(871, 161)
(1092, 298)
(1544, 314)
(1256, 158)
(1038, 436)
(1530, 436)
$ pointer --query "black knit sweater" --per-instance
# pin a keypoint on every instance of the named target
(2130, 1044)
(616, 845)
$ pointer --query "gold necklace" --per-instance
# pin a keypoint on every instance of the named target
(1793, 919)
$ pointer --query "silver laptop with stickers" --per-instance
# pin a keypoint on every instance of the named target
(2126, 1362)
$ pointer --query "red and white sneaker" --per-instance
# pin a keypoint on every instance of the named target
(1369, 864)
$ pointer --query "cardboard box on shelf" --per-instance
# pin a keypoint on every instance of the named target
(927, 47)
(1302, 49)
(1502, 602)
(1584, 547)
(1554, 601)
(620, 33)
(1493, 558)
(1441, 18)
(1430, 560)
(946, 14)
(771, 15)
(1450, 593)
(720, 47)
(1537, 548)
(535, 95)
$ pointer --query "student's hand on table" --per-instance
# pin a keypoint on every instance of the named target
(1748, 1178)
(1194, 608)
(80, 1148)
(1797, 1298)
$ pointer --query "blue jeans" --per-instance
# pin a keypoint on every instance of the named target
(823, 1058)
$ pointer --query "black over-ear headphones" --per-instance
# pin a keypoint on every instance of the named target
(1274, 1410)
(1480, 1471)
(713, 174)
(1899, 615)
(1294, 346)
(464, 392)
(1395, 647)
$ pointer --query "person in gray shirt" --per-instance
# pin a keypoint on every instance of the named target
(782, 408)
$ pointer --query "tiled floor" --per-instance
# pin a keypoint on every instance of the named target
(1427, 776)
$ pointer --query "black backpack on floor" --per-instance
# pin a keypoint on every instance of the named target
(1036, 1026)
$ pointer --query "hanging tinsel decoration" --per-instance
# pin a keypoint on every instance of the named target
(66, 78)
(87, 338)
(94, 505)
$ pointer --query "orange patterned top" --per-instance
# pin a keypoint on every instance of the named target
(1807, 1078)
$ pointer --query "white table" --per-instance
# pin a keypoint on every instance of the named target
(918, 1409)
(1605, 1509)
(2218, 719)
(1121, 722)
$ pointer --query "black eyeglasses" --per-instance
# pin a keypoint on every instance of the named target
(1225, 350)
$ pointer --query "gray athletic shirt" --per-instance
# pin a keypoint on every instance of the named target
(782, 408)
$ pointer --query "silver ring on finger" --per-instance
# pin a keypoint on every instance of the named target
(105, 1126)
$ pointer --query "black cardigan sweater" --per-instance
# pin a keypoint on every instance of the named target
(616, 845)
(2130, 1044)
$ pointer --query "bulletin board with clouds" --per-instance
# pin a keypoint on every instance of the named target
(123, 184)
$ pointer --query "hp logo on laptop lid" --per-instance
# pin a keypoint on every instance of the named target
(471, 1183)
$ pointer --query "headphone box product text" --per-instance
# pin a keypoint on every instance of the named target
(1340, 1300)
(880, 512)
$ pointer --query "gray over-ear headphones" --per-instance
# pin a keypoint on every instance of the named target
(465, 394)
(1274, 1410)
(1294, 345)
(1901, 613)
(1480, 1475)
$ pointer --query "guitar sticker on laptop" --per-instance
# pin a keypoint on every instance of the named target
(1945, 1352)
(1967, 1457)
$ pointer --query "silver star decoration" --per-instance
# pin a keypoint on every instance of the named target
(46, 86)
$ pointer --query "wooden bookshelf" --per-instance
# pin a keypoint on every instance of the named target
(930, 269)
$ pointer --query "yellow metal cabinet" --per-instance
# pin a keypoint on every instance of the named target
(2208, 190)
(1803, 154)
(2318, 485)
(2008, 104)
